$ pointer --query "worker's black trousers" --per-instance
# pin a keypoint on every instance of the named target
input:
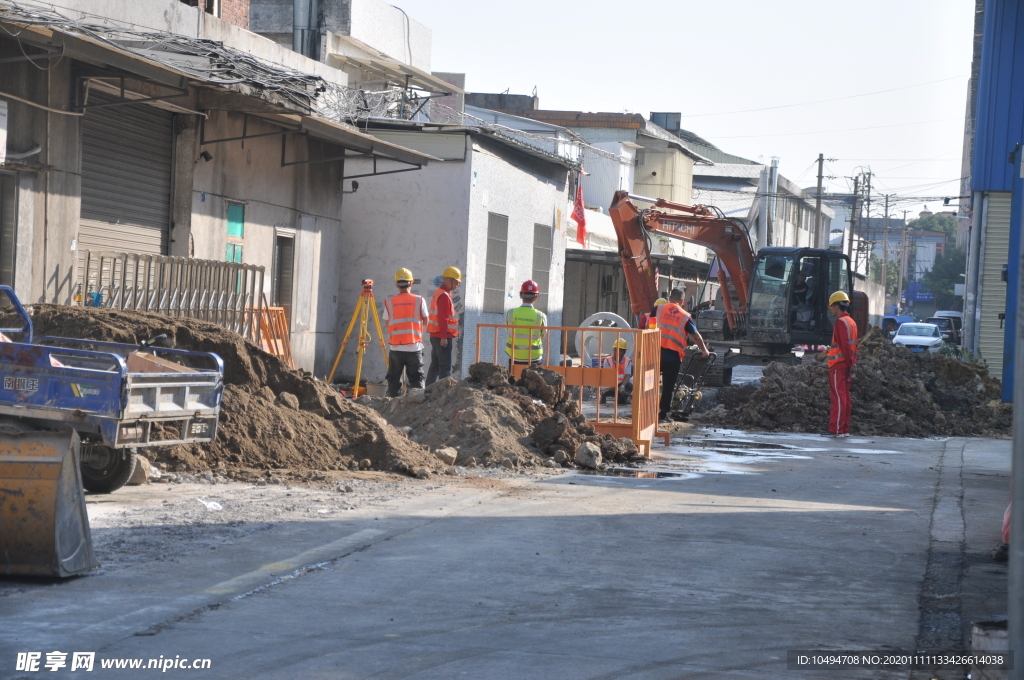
(670, 364)
(409, 362)
(440, 360)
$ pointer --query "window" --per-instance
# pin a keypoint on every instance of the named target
(284, 270)
(497, 256)
(542, 262)
(8, 223)
(236, 232)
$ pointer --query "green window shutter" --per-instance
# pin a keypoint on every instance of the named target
(236, 220)
(234, 252)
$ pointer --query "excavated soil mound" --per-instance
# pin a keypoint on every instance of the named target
(489, 419)
(895, 392)
(271, 416)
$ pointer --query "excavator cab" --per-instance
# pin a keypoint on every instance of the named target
(789, 293)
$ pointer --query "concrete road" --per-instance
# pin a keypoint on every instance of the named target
(807, 544)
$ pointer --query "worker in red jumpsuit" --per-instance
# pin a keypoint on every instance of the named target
(842, 364)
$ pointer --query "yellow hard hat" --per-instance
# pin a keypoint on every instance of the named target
(621, 344)
(660, 301)
(403, 275)
(838, 296)
(453, 273)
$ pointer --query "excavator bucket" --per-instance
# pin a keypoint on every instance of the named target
(44, 528)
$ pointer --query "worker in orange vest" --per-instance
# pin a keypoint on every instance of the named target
(677, 329)
(842, 365)
(405, 316)
(443, 326)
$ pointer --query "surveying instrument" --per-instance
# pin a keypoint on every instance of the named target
(364, 307)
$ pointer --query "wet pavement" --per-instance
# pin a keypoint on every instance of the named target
(739, 548)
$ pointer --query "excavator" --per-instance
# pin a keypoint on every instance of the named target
(770, 302)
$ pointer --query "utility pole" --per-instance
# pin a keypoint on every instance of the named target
(903, 262)
(817, 203)
(885, 252)
(861, 251)
(853, 219)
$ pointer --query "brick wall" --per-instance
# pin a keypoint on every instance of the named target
(235, 12)
(232, 11)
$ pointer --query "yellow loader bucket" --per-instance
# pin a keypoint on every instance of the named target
(44, 528)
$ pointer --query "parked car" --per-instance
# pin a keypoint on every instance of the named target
(958, 322)
(919, 337)
(946, 328)
(892, 322)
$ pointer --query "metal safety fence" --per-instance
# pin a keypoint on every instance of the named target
(594, 372)
(228, 294)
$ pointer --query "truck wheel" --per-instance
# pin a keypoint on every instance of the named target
(106, 469)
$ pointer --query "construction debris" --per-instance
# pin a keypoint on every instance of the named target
(492, 420)
(272, 417)
(895, 392)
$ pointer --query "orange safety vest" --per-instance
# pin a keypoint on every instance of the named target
(623, 366)
(672, 320)
(405, 325)
(835, 352)
(433, 323)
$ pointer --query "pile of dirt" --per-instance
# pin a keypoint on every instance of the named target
(895, 392)
(490, 419)
(272, 417)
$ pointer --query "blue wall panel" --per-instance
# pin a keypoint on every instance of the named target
(999, 124)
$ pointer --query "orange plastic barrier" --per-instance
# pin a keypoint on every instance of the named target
(640, 424)
(275, 337)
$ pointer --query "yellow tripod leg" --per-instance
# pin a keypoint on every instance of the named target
(364, 340)
(348, 333)
(380, 333)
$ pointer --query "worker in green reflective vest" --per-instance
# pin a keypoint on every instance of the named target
(526, 343)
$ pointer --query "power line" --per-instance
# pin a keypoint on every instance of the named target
(822, 101)
(819, 132)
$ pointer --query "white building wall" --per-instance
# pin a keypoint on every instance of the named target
(526, 198)
(384, 27)
(416, 220)
(303, 198)
(607, 175)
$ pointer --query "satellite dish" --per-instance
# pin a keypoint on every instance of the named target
(592, 345)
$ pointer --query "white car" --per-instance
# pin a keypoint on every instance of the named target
(919, 337)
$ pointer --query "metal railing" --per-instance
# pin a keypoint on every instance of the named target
(596, 374)
(228, 294)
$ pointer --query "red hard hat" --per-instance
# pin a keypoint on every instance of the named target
(530, 287)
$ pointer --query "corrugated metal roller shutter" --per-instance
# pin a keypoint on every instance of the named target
(993, 292)
(127, 156)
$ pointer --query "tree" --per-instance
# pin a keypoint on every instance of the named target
(944, 275)
(892, 273)
(943, 223)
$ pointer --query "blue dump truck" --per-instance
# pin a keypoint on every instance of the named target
(73, 413)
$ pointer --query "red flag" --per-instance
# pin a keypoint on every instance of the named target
(578, 216)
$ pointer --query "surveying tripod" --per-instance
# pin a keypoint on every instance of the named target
(364, 307)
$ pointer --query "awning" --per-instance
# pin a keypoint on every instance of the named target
(349, 137)
(390, 69)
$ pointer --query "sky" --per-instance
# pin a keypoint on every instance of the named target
(873, 84)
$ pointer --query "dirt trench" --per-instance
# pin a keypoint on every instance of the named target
(894, 392)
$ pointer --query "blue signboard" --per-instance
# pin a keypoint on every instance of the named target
(917, 292)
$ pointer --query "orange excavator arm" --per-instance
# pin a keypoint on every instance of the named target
(693, 223)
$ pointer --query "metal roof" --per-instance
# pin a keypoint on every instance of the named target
(630, 121)
(658, 132)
